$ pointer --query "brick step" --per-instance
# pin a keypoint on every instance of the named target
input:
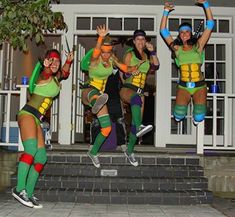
(120, 159)
(125, 197)
(89, 170)
(107, 183)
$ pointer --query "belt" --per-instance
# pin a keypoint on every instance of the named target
(192, 84)
(33, 111)
(136, 89)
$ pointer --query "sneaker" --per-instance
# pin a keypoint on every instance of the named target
(35, 203)
(131, 158)
(195, 123)
(100, 102)
(143, 130)
(22, 197)
(95, 159)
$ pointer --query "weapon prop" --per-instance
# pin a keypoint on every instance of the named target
(198, 30)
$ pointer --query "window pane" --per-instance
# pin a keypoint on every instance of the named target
(220, 52)
(220, 126)
(220, 70)
(209, 70)
(98, 21)
(173, 24)
(147, 24)
(208, 126)
(173, 88)
(130, 24)
(209, 52)
(115, 23)
(215, 27)
(186, 21)
(220, 108)
(83, 23)
(221, 87)
(224, 26)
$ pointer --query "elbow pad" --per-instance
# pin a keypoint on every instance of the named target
(210, 24)
(165, 33)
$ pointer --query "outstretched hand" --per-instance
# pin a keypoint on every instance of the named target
(102, 30)
(169, 6)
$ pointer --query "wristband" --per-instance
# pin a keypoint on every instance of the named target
(153, 53)
(68, 62)
(206, 5)
(210, 24)
(165, 13)
(165, 33)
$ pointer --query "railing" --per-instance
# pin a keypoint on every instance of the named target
(23, 98)
(227, 143)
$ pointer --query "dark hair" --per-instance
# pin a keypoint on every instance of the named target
(139, 32)
(191, 41)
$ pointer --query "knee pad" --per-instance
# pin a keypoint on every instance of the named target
(105, 124)
(40, 159)
(136, 100)
(106, 131)
(199, 112)
(180, 111)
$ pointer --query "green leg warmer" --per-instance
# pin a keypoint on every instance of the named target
(99, 140)
(30, 149)
(39, 160)
(131, 142)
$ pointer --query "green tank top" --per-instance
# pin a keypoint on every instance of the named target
(188, 57)
(50, 89)
(138, 80)
(100, 72)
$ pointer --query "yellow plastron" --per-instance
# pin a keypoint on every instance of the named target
(99, 84)
(45, 105)
(139, 80)
(190, 72)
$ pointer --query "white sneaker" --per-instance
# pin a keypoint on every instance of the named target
(131, 158)
(95, 159)
(100, 102)
(143, 130)
(22, 197)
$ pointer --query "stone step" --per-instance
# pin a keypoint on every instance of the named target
(107, 183)
(120, 159)
(123, 170)
(182, 197)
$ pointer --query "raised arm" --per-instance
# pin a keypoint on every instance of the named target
(154, 61)
(209, 24)
(102, 31)
(65, 71)
(168, 7)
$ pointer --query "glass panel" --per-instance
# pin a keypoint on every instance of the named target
(209, 70)
(209, 52)
(130, 24)
(220, 126)
(98, 21)
(221, 87)
(173, 88)
(224, 26)
(196, 23)
(208, 126)
(174, 71)
(174, 126)
(173, 24)
(115, 23)
(147, 24)
(83, 23)
(221, 70)
(220, 52)
(215, 26)
(220, 108)
(186, 21)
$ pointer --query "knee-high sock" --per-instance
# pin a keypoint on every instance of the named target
(105, 125)
(26, 160)
(132, 139)
(136, 104)
(39, 161)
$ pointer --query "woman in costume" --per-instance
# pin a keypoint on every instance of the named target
(132, 91)
(31, 163)
(101, 66)
(189, 52)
